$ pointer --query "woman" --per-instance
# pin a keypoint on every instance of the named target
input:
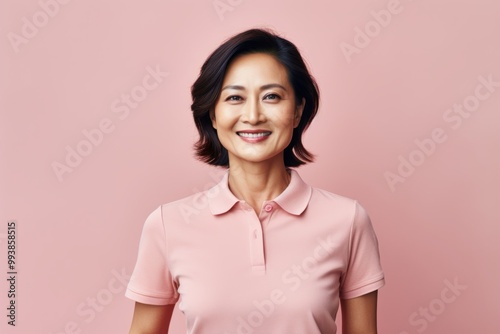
(262, 251)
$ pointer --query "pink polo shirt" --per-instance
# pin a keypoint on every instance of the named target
(235, 272)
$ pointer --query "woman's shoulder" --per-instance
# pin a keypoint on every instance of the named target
(332, 200)
(340, 206)
(332, 197)
(187, 206)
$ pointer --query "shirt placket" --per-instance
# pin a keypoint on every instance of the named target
(256, 237)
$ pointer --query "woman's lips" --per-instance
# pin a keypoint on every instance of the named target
(253, 136)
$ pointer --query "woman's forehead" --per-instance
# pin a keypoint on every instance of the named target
(255, 69)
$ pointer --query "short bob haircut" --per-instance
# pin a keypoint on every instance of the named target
(207, 88)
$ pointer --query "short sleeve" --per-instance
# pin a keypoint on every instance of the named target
(151, 281)
(364, 272)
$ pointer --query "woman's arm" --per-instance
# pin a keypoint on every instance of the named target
(359, 315)
(151, 319)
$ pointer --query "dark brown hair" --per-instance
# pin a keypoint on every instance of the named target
(206, 90)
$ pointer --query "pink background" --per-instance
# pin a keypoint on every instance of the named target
(76, 233)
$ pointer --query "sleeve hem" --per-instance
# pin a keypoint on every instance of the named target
(364, 289)
(152, 300)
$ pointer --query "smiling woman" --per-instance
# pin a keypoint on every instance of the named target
(269, 253)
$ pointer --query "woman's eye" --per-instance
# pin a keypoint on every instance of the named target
(233, 98)
(271, 97)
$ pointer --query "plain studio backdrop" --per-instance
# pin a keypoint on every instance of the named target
(96, 132)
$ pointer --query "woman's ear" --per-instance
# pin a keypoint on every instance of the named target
(212, 118)
(298, 113)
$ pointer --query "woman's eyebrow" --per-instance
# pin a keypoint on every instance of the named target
(273, 85)
(264, 87)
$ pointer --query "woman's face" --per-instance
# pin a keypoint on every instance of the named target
(256, 111)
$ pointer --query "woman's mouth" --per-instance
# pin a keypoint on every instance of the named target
(254, 136)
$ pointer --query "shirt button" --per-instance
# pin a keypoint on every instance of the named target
(255, 234)
(268, 208)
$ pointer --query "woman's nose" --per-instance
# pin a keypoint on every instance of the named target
(252, 112)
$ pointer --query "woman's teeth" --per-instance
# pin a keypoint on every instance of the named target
(253, 135)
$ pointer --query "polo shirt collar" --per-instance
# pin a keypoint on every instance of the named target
(294, 199)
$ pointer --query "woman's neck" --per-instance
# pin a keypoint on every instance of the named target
(258, 182)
